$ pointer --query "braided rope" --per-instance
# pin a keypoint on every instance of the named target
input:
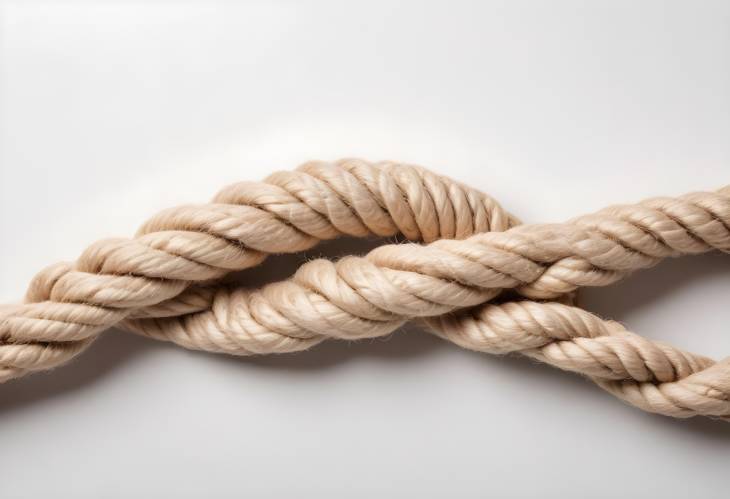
(164, 283)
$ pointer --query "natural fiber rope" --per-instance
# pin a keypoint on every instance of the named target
(165, 283)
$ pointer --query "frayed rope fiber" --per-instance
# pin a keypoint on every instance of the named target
(465, 250)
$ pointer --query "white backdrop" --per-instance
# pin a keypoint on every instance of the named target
(113, 110)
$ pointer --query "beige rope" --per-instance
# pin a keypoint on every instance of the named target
(69, 304)
(164, 283)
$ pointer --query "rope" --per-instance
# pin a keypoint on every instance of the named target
(165, 283)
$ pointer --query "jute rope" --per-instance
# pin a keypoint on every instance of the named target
(166, 282)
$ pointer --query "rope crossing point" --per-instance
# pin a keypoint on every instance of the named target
(466, 250)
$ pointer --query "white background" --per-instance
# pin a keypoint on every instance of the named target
(113, 110)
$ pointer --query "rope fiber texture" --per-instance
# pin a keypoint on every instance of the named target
(471, 273)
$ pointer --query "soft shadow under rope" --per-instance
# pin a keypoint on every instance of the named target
(165, 282)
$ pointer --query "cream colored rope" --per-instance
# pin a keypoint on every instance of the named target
(164, 283)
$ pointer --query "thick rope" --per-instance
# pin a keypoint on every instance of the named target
(68, 304)
(164, 283)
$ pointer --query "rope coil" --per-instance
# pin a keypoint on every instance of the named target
(465, 250)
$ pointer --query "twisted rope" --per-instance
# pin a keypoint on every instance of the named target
(165, 283)
(68, 304)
